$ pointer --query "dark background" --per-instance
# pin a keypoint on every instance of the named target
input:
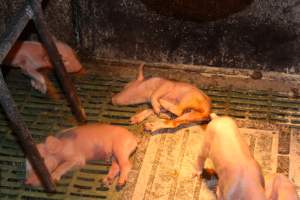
(265, 35)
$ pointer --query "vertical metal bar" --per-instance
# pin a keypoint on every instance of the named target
(55, 58)
(24, 137)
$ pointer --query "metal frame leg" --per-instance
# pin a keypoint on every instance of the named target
(55, 58)
(20, 129)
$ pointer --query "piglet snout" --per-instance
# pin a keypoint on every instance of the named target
(115, 100)
(32, 181)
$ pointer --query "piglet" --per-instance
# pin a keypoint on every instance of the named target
(184, 100)
(73, 147)
(31, 56)
(279, 187)
(240, 176)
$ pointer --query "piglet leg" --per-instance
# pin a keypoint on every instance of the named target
(175, 109)
(218, 193)
(203, 155)
(37, 80)
(125, 167)
(191, 116)
(113, 172)
(185, 118)
(139, 117)
(64, 167)
(122, 156)
(156, 96)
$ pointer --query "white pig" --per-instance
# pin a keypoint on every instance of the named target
(240, 176)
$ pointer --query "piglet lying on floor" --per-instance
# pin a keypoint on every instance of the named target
(279, 187)
(31, 56)
(240, 177)
(184, 100)
(73, 147)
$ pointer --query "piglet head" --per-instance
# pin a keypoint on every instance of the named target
(69, 58)
(48, 152)
(132, 93)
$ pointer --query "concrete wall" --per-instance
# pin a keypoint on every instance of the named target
(58, 14)
(266, 35)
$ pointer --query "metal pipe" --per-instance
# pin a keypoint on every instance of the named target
(18, 23)
(20, 129)
(55, 58)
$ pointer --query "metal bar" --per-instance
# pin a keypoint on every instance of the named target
(20, 129)
(18, 23)
(55, 58)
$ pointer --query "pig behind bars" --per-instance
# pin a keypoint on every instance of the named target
(31, 56)
(279, 187)
(240, 176)
(184, 100)
(73, 147)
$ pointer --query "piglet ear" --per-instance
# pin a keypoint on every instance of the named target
(53, 145)
(141, 73)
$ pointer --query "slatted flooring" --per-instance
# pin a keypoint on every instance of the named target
(46, 115)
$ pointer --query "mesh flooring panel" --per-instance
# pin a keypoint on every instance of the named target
(45, 116)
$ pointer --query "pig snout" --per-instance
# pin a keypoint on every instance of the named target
(116, 100)
(122, 99)
(32, 180)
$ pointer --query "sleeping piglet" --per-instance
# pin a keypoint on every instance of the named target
(184, 100)
(240, 176)
(279, 187)
(31, 56)
(73, 147)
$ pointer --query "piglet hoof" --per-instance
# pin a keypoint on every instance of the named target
(196, 174)
(40, 86)
(153, 126)
(164, 116)
(55, 177)
(107, 181)
(135, 120)
(33, 183)
(120, 186)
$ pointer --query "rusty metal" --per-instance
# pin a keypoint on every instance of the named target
(55, 58)
(20, 129)
(17, 124)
